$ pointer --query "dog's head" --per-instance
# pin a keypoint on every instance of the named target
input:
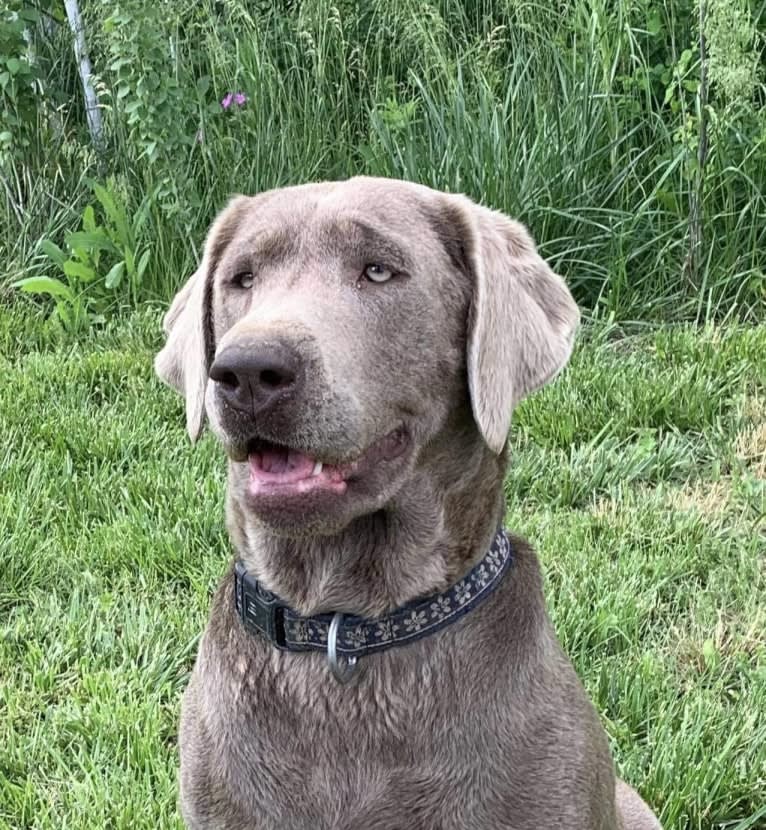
(333, 330)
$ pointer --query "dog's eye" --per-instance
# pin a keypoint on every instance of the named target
(377, 273)
(243, 279)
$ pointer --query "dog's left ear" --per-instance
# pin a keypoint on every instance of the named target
(522, 318)
(184, 361)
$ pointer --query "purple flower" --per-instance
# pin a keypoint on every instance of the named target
(238, 98)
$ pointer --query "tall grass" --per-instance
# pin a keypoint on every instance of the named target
(558, 115)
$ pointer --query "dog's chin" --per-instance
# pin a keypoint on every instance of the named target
(297, 492)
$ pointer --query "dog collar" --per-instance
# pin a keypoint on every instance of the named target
(352, 637)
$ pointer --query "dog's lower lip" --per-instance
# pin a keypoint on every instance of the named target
(275, 469)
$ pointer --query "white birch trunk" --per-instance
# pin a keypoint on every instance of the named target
(92, 111)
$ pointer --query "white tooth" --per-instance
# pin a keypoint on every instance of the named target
(317, 468)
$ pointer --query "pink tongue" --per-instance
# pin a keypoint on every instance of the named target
(280, 466)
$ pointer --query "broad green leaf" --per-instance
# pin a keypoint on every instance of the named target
(119, 63)
(105, 198)
(142, 263)
(81, 255)
(14, 65)
(79, 270)
(89, 240)
(114, 212)
(52, 251)
(89, 219)
(142, 214)
(654, 22)
(114, 276)
(130, 262)
(45, 285)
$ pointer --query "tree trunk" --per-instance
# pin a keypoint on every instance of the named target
(92, 111)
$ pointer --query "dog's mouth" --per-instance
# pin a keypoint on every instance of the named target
(276, 469)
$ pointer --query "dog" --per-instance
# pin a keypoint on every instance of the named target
(380, 656)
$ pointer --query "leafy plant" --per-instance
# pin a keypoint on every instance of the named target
(99, 259)
(733, 49)
(18, 77)
(142, 51)
(589, 120)
(396, 115)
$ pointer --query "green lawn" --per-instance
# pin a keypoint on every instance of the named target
(640, 475)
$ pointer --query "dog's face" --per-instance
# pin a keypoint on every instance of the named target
(333, 329)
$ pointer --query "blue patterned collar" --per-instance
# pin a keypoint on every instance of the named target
(264, 613)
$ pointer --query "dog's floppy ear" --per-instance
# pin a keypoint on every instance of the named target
(184, 361)
(522, 319)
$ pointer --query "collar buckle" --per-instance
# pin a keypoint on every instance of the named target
(259, 608)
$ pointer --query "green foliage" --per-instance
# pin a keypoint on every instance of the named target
(145, 89)
(142, 89)
(18, 79)
(583, 119)
(100, 258)
(734, 46)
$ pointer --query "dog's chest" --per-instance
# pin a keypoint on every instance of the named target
(304, 751)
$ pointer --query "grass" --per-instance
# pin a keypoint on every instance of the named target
(640, 475)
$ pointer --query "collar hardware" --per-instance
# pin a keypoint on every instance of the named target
(259, 608)
(341, 671)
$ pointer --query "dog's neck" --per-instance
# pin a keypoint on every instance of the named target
(434, 530)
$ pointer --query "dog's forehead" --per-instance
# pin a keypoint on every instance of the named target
(328, 211)
(395, 203)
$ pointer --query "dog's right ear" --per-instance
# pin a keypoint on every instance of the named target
(184, 361)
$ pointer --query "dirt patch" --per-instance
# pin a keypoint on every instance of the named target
(710, 498)
(750, 442)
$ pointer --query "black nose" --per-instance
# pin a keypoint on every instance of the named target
(255, 378)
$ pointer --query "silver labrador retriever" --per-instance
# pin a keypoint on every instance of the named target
(358, 348)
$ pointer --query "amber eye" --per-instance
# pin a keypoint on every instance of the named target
(243, 280)
(377, 273)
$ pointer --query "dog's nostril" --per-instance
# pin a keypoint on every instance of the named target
(228, 379)
(224, 373)
(270, 377)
